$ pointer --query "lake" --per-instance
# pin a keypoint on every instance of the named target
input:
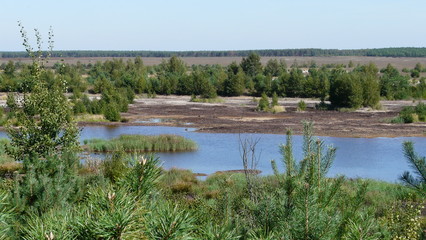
(376, 158)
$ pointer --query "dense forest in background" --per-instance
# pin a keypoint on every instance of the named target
(308, 52)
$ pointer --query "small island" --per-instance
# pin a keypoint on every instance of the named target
(141, 143)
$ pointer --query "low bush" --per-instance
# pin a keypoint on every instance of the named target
(206, 100)
(411, 114)
(277, 109)
(301, 105)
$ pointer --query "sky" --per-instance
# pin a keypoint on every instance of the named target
(180, 25)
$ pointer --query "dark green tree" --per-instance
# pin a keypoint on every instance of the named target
(418, 165)
(346, 91)
(251, 65)
(273, 68)
(393, 85)
(9, 69)
(234, 84)
(370, 84)
(294, 85)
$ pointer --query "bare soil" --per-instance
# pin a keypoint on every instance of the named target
(238, 115)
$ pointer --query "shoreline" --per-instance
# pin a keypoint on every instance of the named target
(238, 115)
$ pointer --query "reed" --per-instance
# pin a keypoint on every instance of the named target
(141, 143)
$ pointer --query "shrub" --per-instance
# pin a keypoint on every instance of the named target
(79, 107)
(420, 110)
(115, 166)
(274, 99)
(111, 213)
(403, 220)
(263, 103)
(301, 105)
(407, 114)
(277, 109)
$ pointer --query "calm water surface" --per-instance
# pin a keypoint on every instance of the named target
(377, 158)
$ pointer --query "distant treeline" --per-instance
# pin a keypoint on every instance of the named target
(309, 52)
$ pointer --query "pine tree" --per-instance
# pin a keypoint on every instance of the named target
(418, 164)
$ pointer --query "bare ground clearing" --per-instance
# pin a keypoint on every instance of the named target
(237, 114)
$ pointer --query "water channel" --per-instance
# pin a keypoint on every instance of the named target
(376, 158)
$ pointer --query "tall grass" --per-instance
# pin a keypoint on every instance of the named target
(141, 143)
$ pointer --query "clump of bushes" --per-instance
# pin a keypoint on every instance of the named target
(141, 143)
(411, 114)
(264, 105)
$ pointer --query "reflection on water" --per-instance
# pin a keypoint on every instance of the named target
(377, 158)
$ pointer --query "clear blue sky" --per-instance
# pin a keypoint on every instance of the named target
(216, 24)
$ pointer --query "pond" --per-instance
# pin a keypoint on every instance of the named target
(376, 158)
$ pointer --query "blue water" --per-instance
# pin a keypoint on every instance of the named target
(376, 158)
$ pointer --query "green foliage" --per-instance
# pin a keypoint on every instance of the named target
(48, 183)
(301, 105)
(418, 165)
(251, 65)
(308, 199)
(167, 222)
(274, 99)
(263, 103)
(110, 214)
(274, 68)
(370, 85)
(11, 102)
(6, 216)
(45, 125)
(420, 110)
(412, 114)
(234, 84)
(393, 85)
(346, 90)
(142, 177)
(407, 114)
(54, 224)
(217, 232)
(115, 166)
(403, 220)
(111, 113)
(293, 87)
